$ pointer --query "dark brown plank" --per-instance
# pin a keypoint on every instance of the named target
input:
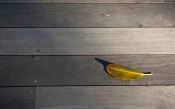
(87, 15)
(83, 70)
(86, 41)
(106, 97)
(86, 1)
(17, 98)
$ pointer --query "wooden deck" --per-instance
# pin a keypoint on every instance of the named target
(53, 53)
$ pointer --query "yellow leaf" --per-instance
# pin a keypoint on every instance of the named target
(124, 73)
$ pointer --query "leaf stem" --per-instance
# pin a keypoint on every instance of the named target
(147, 73)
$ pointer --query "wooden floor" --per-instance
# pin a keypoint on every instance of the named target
(53, 53)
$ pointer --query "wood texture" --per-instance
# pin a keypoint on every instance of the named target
(86, 41)
(17, 97)
(86, 1)
(17, 93)
(87, 15)
(83, 70)
(113, 28)
(120, 97)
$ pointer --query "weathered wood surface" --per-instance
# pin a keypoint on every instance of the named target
(86, 41)
(80, 71)
(106, 97)
(86, 1)
(17, 93)
(83, 70)
(17, 98)
(87, 15)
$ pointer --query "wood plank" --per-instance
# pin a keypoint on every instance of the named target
(17, 93)
(86, 41)
(17, 104)
(17, 97)
(106, 97)
(87, 15)
(86, 1)
(83, 70)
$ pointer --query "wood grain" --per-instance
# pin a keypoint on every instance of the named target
(106, 97)
(83, 70)
(86, 1)
(88, 15)
(17, 97)
(17, 93)
(86, 41)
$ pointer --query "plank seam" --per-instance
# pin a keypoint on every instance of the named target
(100, 3)
(130, 85)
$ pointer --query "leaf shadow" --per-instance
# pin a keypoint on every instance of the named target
(104, 63)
